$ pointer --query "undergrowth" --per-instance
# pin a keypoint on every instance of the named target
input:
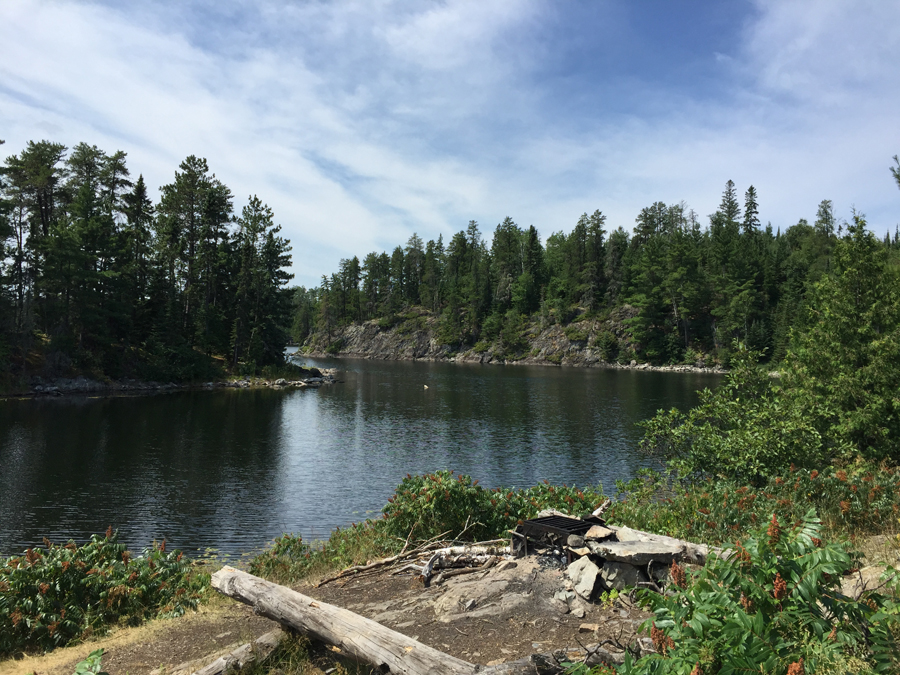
(440, 504)
(55, 595)
(852, 502)
(775, 606)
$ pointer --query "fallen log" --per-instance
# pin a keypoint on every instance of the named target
(237, 659)
(353, 634)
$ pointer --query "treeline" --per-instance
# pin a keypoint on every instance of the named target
(689, 290)
(95, 277)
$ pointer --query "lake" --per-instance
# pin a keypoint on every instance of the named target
(231, 469)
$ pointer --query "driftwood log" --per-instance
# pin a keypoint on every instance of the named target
(237, 659)
(369, 641)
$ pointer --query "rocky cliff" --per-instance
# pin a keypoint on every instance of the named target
(587, 343)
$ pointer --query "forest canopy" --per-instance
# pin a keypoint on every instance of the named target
(688, 291)
(96, 278)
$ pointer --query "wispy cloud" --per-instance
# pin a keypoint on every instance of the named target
(361, 122)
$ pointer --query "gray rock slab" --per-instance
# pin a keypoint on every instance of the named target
(636, 552)
(598, 532)
(620, 575)
(583, 574)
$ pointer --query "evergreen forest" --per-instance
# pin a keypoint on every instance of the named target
(688, 290)
(95, 278)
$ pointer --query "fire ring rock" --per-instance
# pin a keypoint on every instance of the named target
(636, 552)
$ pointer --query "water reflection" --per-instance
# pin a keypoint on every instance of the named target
(232, 469)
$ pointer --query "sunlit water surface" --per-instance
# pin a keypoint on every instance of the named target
(231, 469)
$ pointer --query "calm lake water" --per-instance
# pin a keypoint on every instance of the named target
(231, 469)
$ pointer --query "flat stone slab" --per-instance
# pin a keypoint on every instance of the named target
(598, 532)
(636, 552)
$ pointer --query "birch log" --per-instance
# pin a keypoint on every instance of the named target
(355, 635)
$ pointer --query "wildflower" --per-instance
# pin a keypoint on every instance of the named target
(845, 506)
(16, 617)
(779, 589)
(796, 668)
(44, 588)
(746, 603)
(842, 475)
(47, 543)
(705, 512)
(793, 468)
(126, 556)
(814, 474)
(696, 670)
(32, 556)
(162, 546)
(178, 557)
(677, 574)
(852, 488)
(109, 532)
(817, 542)
(833, 634)
(774, 531)
(661, 641)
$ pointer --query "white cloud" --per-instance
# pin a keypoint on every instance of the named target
(360, 122)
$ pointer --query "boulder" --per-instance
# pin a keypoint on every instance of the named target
(574, 541)
(620, 575)
(636, 552)
(583, 574)
(598, 532)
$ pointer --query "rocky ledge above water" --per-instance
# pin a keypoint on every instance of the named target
(582, 344)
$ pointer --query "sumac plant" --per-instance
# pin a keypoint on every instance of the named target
(54, 595)
(774, 605)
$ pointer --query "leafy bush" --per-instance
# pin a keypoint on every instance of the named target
(441, 503)
(852, 502)
(773, 607)
(743, 429)
(52, 596)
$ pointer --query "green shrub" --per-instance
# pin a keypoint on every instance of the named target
(52, 596)
(852, 502)
(481, 347)
(442, 503)
(576, 333)
(608, 345)
(745, 428)
(774, 607)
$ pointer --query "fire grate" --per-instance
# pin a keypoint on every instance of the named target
(548, 528)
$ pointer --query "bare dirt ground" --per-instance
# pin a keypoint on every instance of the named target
(487, 617)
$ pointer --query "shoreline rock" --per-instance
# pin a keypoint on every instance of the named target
(415, 340)
(62, 386)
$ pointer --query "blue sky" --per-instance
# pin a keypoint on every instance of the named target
(361, 122)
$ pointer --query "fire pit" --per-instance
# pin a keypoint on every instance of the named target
(553, 530)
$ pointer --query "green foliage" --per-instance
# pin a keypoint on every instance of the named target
(837, 395)
(91, 665)
(52, 596)
(744, 429)
(608, 345)
(445, 504)
(441, 504)
(852, 502)
(576, 333)
(774, 603)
